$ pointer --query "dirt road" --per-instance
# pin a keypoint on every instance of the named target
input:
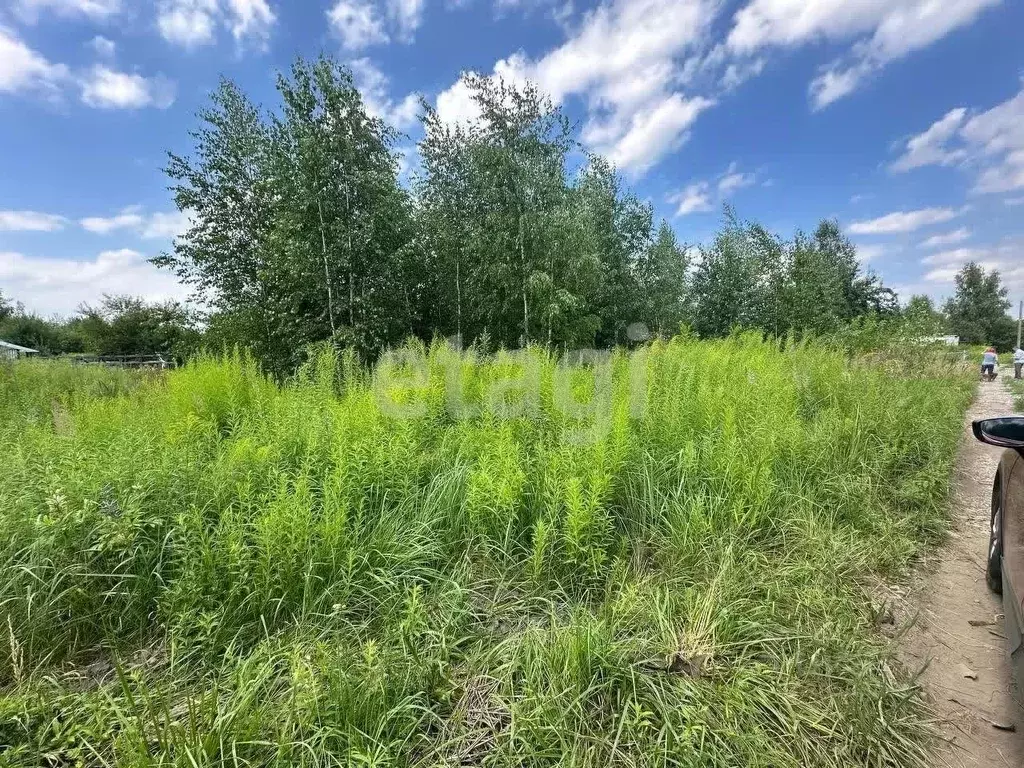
(952, 593)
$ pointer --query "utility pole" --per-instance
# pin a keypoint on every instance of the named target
(1020, 322)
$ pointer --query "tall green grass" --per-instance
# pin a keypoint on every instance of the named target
(494, 561)
(1017, 390)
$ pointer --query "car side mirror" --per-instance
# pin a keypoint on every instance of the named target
(1007, 432)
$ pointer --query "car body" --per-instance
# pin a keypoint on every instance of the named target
(1005, 564)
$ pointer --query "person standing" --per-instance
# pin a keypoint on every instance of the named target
(1018, 362)
(989, 361)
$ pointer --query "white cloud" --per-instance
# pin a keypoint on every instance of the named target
(626, 59)
(250, 20)
(191, 23)
(373, 84)
(649, 133)
(835, 82)
(1012, 275)
(106, 88)
(873, 252)
(103, 47)
(1006, 257)
(407, 15)
(881, 30)
(895, 26)
(738, 72)
(455, 104)
(733, 180)
(998, 135)
(165, 226)
(157, 225)
(356, 24)
(903, 221)
(1013, 201)
(187, 22)
(702, 196)
(128, 218)
(942, 274)
(695, 198)
(950, 238)
(929, 148)
(620, 44)
(30, 221)
(23, 69)
(990, 143)
(98, 10)
(59, 286)
(956, 256)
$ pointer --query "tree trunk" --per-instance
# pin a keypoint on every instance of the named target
(551, 292)
(522, 264)
(351, 286)
(458, 295)
(327, 271)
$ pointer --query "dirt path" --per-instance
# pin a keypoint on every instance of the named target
(952, 593)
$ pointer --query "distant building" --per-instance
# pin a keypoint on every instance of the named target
(10, 351)
(950, 340)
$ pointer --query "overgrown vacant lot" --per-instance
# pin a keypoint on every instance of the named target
(208, 569)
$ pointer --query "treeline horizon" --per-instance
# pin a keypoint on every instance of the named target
(301, 231)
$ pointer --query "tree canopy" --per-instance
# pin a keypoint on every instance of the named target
(977, 310)
(508, 233)
(118, 325)
(304, 228)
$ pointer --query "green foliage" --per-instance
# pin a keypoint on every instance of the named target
(513, 249)
(6, 308)
(977, 311)
(126, 325)
(48, 336)
(922, 316)
(1016, 389)
(120, 325)
(727, 290)
(339, 222)
(302, 233)
(751, 278)
(644, 559)
(225, 253)
(661, 278)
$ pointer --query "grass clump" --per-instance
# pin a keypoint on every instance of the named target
(643, 559)
(1016, 387)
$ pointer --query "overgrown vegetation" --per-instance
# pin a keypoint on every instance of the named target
(644, 558)
(657, 558)
(119, 325)
(310, 223)
(978, 310)
(507, 232)
(1017, 389)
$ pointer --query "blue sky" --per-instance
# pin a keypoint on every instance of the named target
(904, 119)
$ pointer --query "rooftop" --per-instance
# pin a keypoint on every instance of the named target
(15, 347)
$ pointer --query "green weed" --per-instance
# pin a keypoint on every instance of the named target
(498, 561)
